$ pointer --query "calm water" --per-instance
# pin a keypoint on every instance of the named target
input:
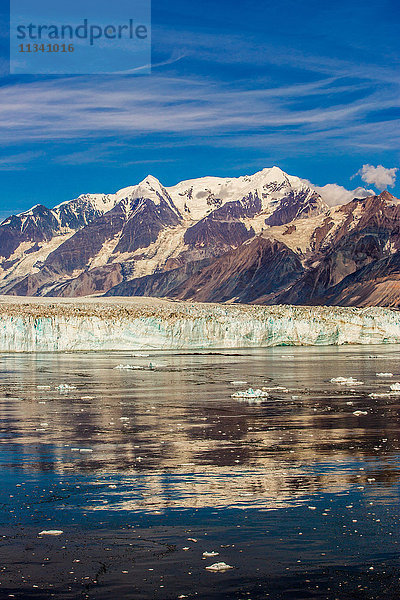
(144, 470)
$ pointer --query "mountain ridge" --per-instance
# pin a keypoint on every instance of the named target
(263, 238)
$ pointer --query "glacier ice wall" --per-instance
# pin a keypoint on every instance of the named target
(41, 325)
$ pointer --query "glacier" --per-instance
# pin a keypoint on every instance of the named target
(85, 324)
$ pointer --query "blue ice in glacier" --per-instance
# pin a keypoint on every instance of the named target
(49, 324)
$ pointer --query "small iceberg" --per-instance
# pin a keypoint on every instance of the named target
(358, 413)
(250, 394)
(384, 374)
(219, 567)
(128, 367)
(51, 532)
(210, 554)
(64, 388)
(346, 381)
(395, 387)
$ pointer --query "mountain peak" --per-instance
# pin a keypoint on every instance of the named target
(385, 195)
(150, 180)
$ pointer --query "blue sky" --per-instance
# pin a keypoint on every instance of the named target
(311, 86)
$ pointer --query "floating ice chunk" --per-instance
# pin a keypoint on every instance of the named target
(43, 387)
(210, 554)
(384, 374)
(219, 566)
(346, 381)
(51, 532)
(358, 413)
(383, 395)
(64, 387)
(128, 367)
(250, 393)
(277, 388)
(85, 450)
(238, 382)
(395, 387)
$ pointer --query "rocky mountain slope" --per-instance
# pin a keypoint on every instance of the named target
(266, 238)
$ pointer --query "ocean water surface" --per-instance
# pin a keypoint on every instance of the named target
(137, 472)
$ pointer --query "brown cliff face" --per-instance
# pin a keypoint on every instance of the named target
(257, 268)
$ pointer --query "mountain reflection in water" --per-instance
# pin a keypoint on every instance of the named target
(86, 445)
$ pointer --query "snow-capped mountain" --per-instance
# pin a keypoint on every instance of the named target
(267, 237)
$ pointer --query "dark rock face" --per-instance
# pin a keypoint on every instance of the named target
(247, 207)
(378, 283)
(30, 285)
(158, 284)
(144, 226)
(77, 214)
(86, 243)
(222, 229)
(217, 233)
(90, 282)
(354, 245)
(40, 225)
(295, 206)
(257, 268)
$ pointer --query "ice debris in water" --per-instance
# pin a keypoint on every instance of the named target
(384, 374)
(219, 566)
(210, 554)
(346, 381)
(250, 393)
(395, 387)
(51, 532)
(128, 367)
(238, 382)
(64, 387)
(358, 413)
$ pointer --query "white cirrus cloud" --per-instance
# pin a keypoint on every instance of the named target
(379, 176)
